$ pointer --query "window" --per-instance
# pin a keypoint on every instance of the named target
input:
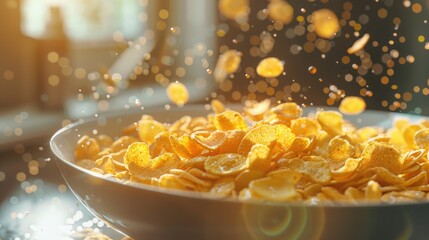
(98, 35)
(102, 32)
(85, 20)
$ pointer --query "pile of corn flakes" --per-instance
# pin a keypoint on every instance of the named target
(271, 154)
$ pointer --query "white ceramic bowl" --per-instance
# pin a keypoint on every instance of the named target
(148, 212)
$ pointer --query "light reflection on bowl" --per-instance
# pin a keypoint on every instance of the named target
(148, 212)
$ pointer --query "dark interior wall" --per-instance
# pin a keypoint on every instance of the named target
(330, 69)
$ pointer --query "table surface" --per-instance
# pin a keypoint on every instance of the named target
(35, 202)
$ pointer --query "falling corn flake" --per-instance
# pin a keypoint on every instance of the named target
(359, 44)
(270, 67)
(178, 93)
(325, 23)
(280, 11)
(217, 106)
(227, 63)
(237, 10)
(352, 105)
(255, 110)
(274, 189)
(225, 164)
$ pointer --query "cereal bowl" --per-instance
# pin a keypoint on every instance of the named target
(149, 212)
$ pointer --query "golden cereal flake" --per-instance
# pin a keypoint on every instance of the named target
(280, 11)
(270, 67)
(274, 189)
(352, 105)
(237, 10)
(227, 63)
(178, 93)
(86, 148)
(359, 44)
(326, 23)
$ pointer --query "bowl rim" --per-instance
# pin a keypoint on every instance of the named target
(206, 196)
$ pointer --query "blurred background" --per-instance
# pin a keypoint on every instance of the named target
(58, 57)
(62, 60)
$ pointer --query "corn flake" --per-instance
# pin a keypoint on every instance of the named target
(373, 191)
(288, 111)
(280, 11)
(123, 143)
(331, 122)
(178, 93)
(233, 139)
(137, 156)
(299, 144)
(225, 164)
(223, 187)
(347, 170)
(243, 179)
(305, 127)
(421, 138)
(138, 161)
(274, 189)
(256, 110)
(209, 140)
(237, 10)
(267, 135)
(217, 106)
(86, 148)
(227, 63)
(325, 23)
(339, 149)
(149, 129)
(195, 163)
(315, 168)
(230, 120)
(359, 44)
(104, 141)
(259, 158)
(171, 181)
(380, 154)
(408, 133)
(352, 105)
(270, 67)
(286, 174)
